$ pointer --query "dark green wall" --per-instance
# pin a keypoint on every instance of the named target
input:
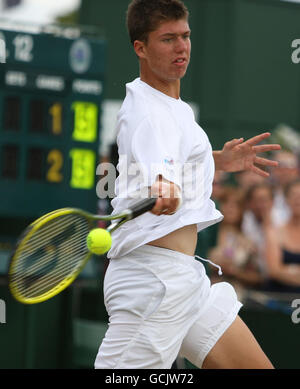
(241, 74)
(121, 64)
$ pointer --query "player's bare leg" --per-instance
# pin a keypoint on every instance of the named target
(237, 349)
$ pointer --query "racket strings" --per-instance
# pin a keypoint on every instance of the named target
(54, 252)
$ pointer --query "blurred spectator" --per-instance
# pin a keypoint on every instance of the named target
(283, 247)
(257, 217)
(288, 170)
(219, 182)
(233, 251)
(247, 178)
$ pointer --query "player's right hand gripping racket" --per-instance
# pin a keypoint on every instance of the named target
(52, 251)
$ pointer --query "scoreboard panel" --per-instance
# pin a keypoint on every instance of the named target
(51, 89)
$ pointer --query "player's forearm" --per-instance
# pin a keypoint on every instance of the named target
(222, 162)
(218, 159)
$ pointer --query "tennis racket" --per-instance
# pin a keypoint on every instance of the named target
(52, 251)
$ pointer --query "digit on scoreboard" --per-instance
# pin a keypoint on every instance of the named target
(46, 117)
(56, 160)
(85, 121)
(83, 168)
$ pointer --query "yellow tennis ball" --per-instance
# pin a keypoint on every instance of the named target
(98, 241)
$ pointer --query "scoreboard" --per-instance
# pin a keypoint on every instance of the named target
(51, 89)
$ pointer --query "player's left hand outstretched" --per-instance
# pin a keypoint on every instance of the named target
(238, 155)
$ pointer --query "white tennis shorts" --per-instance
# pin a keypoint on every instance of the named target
(161, 304)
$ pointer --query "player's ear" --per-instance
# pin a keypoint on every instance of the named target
(139, 48)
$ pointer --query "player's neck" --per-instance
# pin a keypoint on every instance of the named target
(169, 88)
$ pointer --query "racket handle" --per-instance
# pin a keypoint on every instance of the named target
(142, 207)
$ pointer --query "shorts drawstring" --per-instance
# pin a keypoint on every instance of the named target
(213, 264)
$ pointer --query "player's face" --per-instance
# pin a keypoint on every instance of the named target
(166, 55)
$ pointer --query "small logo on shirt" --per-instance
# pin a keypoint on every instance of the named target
(169, 161)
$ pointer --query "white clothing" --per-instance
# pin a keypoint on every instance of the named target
(158, 134)
(161, 303)
(281, 212)
(253, 230)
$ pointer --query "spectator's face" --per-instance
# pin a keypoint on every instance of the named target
(261, 202)
(231, 210)
(218, 184)
(246, 179)
(166, 55)
(287, 169)
(293, 200)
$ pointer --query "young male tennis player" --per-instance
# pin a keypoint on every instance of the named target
(158, 296)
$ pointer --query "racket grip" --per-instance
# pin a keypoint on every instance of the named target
(142, 207)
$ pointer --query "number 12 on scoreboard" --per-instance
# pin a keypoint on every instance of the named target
(83, 168)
